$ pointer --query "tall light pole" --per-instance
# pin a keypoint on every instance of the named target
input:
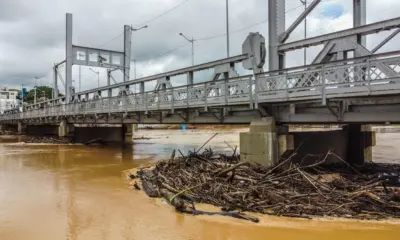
(227, 28)
(191, 41)
(80, 71)
(35, 87)
(134, 68)
(98, 76)
(22, 96)
(304, 2)
(134, 60)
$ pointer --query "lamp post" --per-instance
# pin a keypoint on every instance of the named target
(134, 68)
(304, 2)
(80, 71)
(191, 41)
(134, 60)
(137, 29)
(227, 28)
(22, 96)
(98, 76)
(36, 78)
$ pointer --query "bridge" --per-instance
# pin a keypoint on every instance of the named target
(333, 89)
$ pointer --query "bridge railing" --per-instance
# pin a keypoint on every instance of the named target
(363, 77)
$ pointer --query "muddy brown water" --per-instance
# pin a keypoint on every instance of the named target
(78, 192)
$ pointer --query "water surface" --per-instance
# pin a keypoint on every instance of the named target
(78, 192)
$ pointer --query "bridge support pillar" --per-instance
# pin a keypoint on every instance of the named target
(128, 130)
(361, 139)
(265, 142)
(22, 128)
(65, 129)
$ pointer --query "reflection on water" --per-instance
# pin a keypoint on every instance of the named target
(78, 192)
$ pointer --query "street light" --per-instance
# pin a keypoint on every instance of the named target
(80, 71)
(134, 60)
(22, 96)
(191, 41)
(227, 28)
(36, 78)
(304, 2)
(98, 76)
(137, 29)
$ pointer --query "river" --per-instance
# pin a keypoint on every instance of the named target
(79, 192)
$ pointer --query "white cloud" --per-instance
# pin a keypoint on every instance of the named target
(32, 35)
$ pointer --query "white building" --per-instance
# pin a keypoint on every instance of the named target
(8, 99)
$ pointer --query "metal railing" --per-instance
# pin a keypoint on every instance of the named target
(364, 77)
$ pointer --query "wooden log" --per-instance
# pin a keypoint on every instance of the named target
(149, 189)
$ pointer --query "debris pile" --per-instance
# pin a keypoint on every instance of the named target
(7, 132)
(288, 189)
(47, 140)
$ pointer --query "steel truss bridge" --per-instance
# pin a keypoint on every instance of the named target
(333, 89)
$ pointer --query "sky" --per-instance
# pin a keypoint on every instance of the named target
(32, 33)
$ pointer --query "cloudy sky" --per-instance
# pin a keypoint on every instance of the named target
(32, 32)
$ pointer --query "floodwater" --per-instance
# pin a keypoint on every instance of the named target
(79, 192)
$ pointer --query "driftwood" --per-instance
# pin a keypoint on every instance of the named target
(289, 189)
(95, 141)
(136, 186)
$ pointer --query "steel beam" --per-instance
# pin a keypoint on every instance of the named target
(283, 37)
(276, 24)
(182, 71)
(68, 58)
(362, 30)
(98, 50)
(386, 40)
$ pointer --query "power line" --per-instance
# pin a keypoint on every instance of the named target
(146, 22)
(242, 29)
(112, 39)
(162, 14)
(207, 38)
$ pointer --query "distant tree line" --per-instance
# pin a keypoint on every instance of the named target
(42, 93)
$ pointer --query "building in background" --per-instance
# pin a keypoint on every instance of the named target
(8, 99)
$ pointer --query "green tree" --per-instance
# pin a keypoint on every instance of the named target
(41, 92)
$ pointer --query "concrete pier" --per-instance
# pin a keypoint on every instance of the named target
(66, 129)
(128, 131)
(265, 142)
(361, 139)
(22, 128)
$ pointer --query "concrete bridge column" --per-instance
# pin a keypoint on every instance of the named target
(128, 130)
(265, 142)
(65, 129)
(22, 128)
(361, 139)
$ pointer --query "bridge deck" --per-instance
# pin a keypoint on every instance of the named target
(367, 78)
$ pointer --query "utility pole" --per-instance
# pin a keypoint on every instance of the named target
(98, 76)
(191, 41)
(22, 96)
(134, 60)
(304, 2)
(227, 28)
(80, 71)
(134, 68)
(35, 87)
